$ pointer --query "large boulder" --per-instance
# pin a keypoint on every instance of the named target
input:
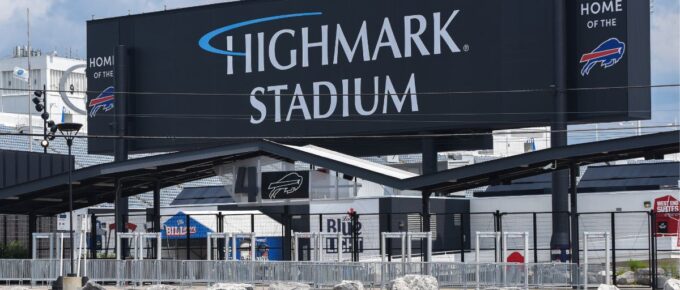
(349, 285)
(643, 276)
(626, 278)
(661, 280)
(230, 286)
(595, 278)
(91, 285)
(672, 284)
(414, 282)
(289, 286)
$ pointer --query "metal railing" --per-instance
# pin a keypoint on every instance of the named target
(318, 274)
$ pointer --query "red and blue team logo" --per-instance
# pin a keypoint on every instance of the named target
(102, 102)
(606, 54)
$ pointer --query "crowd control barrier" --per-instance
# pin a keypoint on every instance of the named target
(317, 274)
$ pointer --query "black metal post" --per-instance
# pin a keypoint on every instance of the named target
(613, 227)
(429, 165)
(220, 242)
(121, 84)
(496, 228)
(535, 237)
(320, 223)
(32, 223)
(120, 219)
(4, 230)
(287, 236)
(93, 236)
(462, 237)
(157, 207)
(653, 265)
(188, 233)
(252, 223)
(559, 241)
(650, 234)
(69, 143)
(388, 242)
(574, 172)
(45, 120)
(355, 237)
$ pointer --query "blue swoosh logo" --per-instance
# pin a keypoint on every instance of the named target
(204, 42)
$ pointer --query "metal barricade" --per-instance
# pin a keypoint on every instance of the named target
(318, 274)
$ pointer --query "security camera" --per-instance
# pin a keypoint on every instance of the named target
(550, 166)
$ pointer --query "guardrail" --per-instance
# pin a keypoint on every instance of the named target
(319, 274)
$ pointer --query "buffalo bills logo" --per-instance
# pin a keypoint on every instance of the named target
(606, 54)
(102, 102)
(287, 184)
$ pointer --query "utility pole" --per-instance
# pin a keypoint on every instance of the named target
(560, 241)
(28, 92)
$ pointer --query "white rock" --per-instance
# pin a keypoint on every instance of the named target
(607, 287)
(162, 287)
(672, 284)
(414, 282)
(288, 286)
(230, 286)
(349, 285)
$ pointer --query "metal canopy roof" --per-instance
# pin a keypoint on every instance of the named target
(598, 178)
(644, 176)
(97, 184)
(503, 170)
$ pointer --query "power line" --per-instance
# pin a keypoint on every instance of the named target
(247, 116)
(537, 90)
(396, 136)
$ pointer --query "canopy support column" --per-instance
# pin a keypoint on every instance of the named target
(429, 166)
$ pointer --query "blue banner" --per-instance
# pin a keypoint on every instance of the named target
(176, 228)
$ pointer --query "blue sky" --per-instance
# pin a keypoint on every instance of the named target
(60, 25)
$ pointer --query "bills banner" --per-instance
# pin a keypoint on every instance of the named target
(335, 220)
(176, 228)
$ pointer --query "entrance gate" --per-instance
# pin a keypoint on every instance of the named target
(138, 240)
(607, 274)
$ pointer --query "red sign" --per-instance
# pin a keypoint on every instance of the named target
(515, 257)
(130, 226)
(667, 210)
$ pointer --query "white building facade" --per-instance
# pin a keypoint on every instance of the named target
(48, 71)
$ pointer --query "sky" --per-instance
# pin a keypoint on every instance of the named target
(60, 25)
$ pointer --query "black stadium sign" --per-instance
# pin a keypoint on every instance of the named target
(285, 185)
(300, 68)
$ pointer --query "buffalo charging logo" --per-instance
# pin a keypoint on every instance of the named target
(287, 184)
(607, 54)
(104, 101)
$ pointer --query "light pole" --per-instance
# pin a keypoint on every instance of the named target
(69, 131)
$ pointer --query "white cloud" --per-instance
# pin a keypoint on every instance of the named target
(13, 10)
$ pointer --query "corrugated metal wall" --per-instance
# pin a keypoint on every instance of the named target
(17, 167)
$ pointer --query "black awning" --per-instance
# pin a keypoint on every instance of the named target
(644, 176)
(98, 184)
